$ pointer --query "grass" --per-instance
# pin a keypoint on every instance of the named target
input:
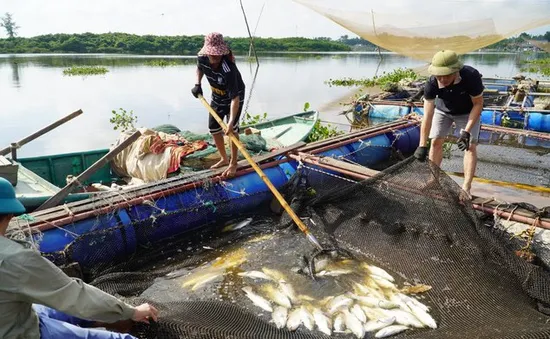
(85, 70)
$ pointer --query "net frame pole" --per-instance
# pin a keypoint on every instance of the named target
(264, 178)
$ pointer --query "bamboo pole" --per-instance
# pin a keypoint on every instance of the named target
(265, 179)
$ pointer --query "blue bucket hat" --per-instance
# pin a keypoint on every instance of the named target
(8, 203)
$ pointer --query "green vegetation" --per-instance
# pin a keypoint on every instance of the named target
(320, 132)
(161, 63)
(253, 119)
(151, 44)
(123, 120)
(384, 80)
(85, 70)
(541, 66)
(9, 24)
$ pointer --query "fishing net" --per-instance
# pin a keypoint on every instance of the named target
(410, 220)
(419, 29)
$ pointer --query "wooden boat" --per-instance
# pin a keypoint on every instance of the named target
(42, 177)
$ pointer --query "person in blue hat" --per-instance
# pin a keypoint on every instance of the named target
(38, 300)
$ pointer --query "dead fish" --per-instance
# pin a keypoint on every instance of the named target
(404, 318)
(255, 275)
(353, 324)
(288, 290)
(422, 315)
(383, 283)
(279, 316)
(323, 322)
(237, 226)
(337, 303)
(277, 296)
(390, 330)
(406, 299)
(306, 318)
(200, 278)
(257, 299)
(339, 323)
(358, 313)
(374, 270)
(334, 273)
(274, 274)
(377, 325)
(294, 319)
(415, 289)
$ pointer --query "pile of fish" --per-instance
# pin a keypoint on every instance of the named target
(375, 304)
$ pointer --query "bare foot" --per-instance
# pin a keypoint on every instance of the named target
(219, 164)
(230, 171)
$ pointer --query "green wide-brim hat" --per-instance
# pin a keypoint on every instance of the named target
(444, 63)
(8, 202)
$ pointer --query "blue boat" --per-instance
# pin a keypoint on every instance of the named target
(93, 232)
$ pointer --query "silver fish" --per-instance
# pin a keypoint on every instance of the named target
(334, 273)
(339, 323)
(378, 272)
(277, 296)
(422, 315)
(337, 303)
(353, 324)
(374, 302)
(237, 226)
(255, 275)
(274, 274)
(376, 325)
(307, 318)
(323, 322)
(383, 282)
(358, 313)
(294, 319)
(404, 318)
(417, 303)
(390, 330)
(279, 316)
(288, 290)
(257, 300)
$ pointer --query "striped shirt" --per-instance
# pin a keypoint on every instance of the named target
(226, 82)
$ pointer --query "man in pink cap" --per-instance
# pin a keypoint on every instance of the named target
(217, 63)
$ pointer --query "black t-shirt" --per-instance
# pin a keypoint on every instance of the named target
(456, 98)
(226, 81)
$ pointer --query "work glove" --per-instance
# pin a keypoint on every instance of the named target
(421, 153)
(196, 90)
(464, 140)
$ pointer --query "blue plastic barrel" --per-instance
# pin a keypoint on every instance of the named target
(491, 117)
(538, 122)
(371, 151)
(388, 111)
(405, 140)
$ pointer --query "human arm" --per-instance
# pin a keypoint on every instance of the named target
(37, 280)
(429, 110)
(233, 109)
(197, 89)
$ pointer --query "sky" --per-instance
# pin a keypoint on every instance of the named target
(279, 18)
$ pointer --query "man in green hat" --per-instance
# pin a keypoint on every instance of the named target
(38, 300)
(453, 94)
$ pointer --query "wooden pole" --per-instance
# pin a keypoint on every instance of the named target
(265, 179)
(59, 196)
(41, 132)
(249, 34)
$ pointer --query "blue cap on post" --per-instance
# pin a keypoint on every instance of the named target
(8, 202)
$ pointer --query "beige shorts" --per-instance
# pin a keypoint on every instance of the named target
(442, 124)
